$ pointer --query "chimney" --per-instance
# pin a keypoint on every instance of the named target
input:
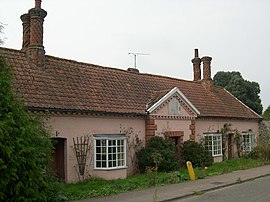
(207, 80)
(26, 30)
(33, 34)
(196, 65)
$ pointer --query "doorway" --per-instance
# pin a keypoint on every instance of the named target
(230, 146)
(58, 154)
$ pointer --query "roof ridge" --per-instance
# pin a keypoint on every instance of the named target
(106, 67)
(119, 69)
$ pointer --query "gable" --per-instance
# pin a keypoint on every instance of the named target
(173, 104)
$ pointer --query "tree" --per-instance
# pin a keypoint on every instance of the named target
(246, 91)
(25, 149)
(1, 32)
(266, 114)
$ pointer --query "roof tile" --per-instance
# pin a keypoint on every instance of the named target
(71, 85)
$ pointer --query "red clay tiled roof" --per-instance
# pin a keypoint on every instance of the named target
(70, 85)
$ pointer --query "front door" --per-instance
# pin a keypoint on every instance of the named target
(58, 154)
(230, 146)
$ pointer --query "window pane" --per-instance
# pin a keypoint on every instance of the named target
(103, 142)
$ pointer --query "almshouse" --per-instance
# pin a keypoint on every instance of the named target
(99, 115)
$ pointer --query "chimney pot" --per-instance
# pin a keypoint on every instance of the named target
(196, 53)
(37, 3)
(25, 18)
(196, 66)
(207, 80)
(206, 67)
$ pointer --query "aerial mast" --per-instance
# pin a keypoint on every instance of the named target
(135, 57)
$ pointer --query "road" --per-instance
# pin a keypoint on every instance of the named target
(257, 190)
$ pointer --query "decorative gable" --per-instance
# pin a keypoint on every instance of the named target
(173, 104)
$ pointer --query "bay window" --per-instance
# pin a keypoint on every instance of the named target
(110, 151)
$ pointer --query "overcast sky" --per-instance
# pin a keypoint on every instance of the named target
(235, 33)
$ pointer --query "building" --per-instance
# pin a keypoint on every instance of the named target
(98, 115)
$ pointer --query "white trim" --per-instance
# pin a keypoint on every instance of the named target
(107, 138)
(251, 143)
(167, 96)
(212, 145)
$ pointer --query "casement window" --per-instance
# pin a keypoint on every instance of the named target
(248, 141)
(213, 143)
(110, 151)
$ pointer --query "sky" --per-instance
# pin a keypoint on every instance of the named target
(236, 34)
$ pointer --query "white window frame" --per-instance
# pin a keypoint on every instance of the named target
(113, 155)
(250, 142)
(216, 150)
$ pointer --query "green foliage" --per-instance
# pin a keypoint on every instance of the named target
(99, 187)
(246, 91)
(159, 153)
(266, 114)
(262, 149)
(1, 32)
(196, 153)
(223, 78)
(25, 150)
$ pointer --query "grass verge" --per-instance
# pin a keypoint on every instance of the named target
(98, 187)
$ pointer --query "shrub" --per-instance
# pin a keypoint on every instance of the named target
(262, 150)
(25, 150)
(159, 153)
(196, 153)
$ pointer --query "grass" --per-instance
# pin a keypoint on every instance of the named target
(98, 187)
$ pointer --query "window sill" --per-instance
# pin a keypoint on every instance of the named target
(110, 169)
(217, 155)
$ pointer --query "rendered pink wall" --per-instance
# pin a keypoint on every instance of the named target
(76, 126)
(164, 125)
(214, 125)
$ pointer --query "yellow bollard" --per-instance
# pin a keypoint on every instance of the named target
(190, 171)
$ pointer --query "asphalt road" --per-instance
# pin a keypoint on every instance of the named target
(257, 190)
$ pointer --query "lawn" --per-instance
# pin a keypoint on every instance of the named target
(99, 187)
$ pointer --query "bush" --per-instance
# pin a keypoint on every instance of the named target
(159, 153)
(262, 150)
(25, 150)
(196, 153)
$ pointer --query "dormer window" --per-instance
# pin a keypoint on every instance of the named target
(174, 107)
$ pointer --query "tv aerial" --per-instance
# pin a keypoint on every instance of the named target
(136, 56)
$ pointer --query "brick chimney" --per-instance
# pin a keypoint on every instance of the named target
(33, 34)
(26, 30)
(196, 66)
(207, 80)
